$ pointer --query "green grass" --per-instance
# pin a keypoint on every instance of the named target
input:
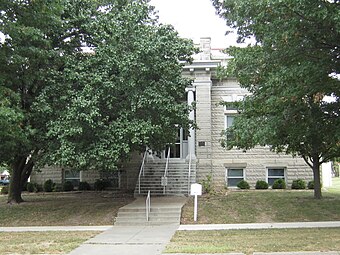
(42, 242)
(256, 206)
(52, 209)
(265, 206)
(249, 241)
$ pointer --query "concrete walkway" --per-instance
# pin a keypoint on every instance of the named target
(129, 240)
(136, 239)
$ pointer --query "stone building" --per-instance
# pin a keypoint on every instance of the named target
(198, 154)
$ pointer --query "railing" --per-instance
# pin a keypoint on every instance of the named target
(141, 171)
(189, 174)
(164, 179)
(148, 205)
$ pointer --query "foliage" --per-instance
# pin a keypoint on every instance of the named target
(243, 185)
(57, 187)
(101, 184)
(33, 187)
(48, 186)
(310, 185)
(4, 190)
(293, 66)
(261, 185)
(68, 186)
(279, 184)
(60, 105)
(30, 187)
(299, 184)
(207, 184)
(84, 186)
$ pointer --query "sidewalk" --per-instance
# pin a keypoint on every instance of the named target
(321, 224)
(128, 240)
(151, 240)
(54, 228)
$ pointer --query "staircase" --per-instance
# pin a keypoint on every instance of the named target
(177, 178)
(164, 211)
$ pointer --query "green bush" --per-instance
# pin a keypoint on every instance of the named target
(310, 184)
(84, 186)
(34, 187)
(4, 190)
(279, 184)
(261, 185)
(57, 187)
(101, 184)
(30, 187)
(298, 184)
(207, 185)
(243, 185)
(37, 187)
(48, 186)
(68, 186)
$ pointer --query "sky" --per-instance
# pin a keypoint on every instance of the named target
(194, 19)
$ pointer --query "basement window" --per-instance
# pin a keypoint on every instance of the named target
(234, 176)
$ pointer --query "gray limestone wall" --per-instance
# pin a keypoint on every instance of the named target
(214, 160)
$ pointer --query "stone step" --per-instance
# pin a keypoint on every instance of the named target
(164, 210)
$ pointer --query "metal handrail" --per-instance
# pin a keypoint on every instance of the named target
(148, 205)
(141, 171)
(189, 174)
(166, 170)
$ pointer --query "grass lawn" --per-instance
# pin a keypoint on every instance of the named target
(253, 206)
(261, 206)
(57, 209)
(42, 242)
(249, 241)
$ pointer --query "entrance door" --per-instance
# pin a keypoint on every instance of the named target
(180, 148)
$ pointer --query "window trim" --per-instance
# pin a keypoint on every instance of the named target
(276, 177)
(234, 177)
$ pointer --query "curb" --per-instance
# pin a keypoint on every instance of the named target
(54, 228)
(322, 224)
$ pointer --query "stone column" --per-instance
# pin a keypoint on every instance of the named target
(191, 137)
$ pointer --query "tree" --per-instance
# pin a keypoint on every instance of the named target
(292, 67)
(87, 109)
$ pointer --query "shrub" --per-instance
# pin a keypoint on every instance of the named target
(37, 187)
(48, 186)
(68, 186)
(310, 184)
(57, 187)
(101, 184)
(298, 184)
(4, 190)
(261, 185)
(279, 184)
(30, 187)
(207, 185)
(34, 187)
(243, 185)
(84, 186)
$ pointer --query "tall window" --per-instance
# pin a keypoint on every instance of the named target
(229, 120)
(274, 174)
(234, 176)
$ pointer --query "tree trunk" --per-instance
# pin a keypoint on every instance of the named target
(26, 173)
(15, 188)
(317, 179)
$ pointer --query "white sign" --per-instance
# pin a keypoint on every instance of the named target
(196, 189)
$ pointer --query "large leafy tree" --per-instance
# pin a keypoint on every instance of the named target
(291, 68)
(84, 83)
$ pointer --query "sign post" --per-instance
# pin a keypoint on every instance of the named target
(196, 190)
